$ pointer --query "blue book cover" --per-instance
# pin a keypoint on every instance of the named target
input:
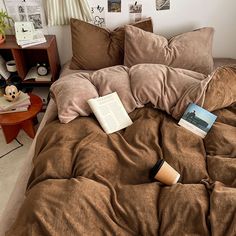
(197, 120)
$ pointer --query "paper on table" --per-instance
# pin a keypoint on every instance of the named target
(6, 105)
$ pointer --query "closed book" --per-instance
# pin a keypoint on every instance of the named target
(24, 42)
(37, 38)
(24, 104)
(18, 109)
(33, 43)
(197, 120)
(6, 105)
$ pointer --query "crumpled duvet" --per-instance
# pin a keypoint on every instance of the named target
(168, 89)
(85, 182)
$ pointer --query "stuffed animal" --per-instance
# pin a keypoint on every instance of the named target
(11, 93)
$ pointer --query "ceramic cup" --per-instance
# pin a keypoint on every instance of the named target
(164, 173)
(11, 66)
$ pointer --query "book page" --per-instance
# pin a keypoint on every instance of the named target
(110, 112)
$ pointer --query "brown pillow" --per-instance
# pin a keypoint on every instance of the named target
(191, 50)
(96, 48)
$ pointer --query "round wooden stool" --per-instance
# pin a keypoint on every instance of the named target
(12, 123)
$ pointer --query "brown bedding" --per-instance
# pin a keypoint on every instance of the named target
(86, 182)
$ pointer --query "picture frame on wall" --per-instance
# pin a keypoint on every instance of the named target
(162, 5)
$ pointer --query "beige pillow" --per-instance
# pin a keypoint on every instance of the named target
(96, 48)
(191, 50)
(70, 93)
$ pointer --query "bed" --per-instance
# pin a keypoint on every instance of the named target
(85, 182)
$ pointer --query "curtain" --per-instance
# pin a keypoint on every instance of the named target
(59, 12)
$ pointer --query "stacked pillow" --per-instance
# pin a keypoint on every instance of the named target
(191, 50)
(96, 48)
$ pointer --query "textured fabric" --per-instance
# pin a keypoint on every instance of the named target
(109, 79)
(222, 87)
(142, 84)
(191, 50)
(71, 96)
(59, 12)
(95, 47)
(85, 182)
(136, 87)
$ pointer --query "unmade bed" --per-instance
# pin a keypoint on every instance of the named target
(85, 182)
(78, 180)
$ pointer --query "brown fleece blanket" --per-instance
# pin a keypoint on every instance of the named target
(166, 88)
(86, 182)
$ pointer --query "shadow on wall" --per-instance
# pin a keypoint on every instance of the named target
(63, 35)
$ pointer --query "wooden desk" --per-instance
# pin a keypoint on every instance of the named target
(12, 123)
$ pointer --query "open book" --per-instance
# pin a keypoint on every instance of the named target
(27, 36)
(110, 112)
(197, 120)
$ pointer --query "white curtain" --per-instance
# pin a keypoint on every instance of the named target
(59, 12)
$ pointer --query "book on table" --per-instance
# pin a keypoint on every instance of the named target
(197, 119)
(21, 104)
(110, 112)
(27, 35)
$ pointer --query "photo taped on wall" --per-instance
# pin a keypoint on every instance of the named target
(114, 5)
(135, 12)
(162, 5)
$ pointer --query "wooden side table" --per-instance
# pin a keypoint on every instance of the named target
(12, 123)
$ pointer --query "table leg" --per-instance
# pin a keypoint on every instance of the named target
(28, 127)
(10, 132)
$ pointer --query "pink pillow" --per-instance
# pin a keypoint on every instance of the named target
(191, 50)
(113, 79)
(70, 94)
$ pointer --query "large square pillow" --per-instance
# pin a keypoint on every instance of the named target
(191, 50)
(96, 48)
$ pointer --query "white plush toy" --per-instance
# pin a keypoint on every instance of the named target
(11, 93)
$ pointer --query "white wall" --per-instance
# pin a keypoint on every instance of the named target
(184, 15)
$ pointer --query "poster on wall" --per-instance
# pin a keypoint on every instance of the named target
(98, 15)
(162, 5)
(135, 12)
(114, 5)
(27, 10)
